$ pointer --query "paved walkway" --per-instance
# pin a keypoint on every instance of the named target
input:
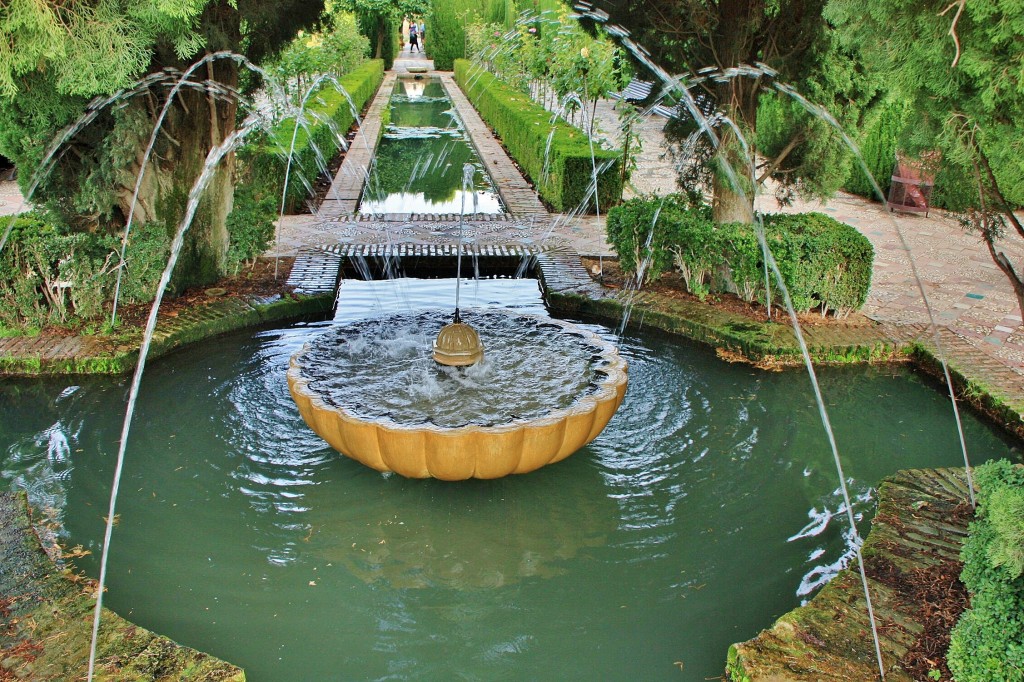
(11, 201)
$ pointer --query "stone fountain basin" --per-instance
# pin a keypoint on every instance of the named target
(472, 451)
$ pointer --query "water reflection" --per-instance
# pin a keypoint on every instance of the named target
(417, 167)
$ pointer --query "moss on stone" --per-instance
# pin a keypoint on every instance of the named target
(764, 343)
(829, 639)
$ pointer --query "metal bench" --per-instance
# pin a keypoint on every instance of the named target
(636, 91)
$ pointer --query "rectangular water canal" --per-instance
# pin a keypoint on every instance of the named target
(418, 166)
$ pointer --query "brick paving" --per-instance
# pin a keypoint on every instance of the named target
(11, 201)
(982, 330)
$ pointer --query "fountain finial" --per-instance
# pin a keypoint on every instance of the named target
(458, 344)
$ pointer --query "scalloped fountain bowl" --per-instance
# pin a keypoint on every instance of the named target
(372, 390)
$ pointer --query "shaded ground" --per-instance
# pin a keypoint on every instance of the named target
(259, 281)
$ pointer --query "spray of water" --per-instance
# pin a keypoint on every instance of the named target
(183, 81)
(213, 159)
(681, 87)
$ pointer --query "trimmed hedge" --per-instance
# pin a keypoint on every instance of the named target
(561, 174)
(878, 146)
(988, 641)
(825, 264)
(264, 161)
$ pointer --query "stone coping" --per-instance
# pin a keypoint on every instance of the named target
(919, 525)
(99, 354)
(46, 614)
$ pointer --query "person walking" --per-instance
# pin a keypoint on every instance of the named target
(413, 36)
(421, 33)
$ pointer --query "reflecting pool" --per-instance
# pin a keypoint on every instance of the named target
(706, 509)
(418, 164)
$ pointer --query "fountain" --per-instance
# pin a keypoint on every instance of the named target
(512, 413)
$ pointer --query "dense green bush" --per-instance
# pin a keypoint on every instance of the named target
(262, 162)
(825, 264)
(384, 35)
(560, 169)
(250, 226)
(50, 275)
(446, 31)
(878, 145)
(988, 642)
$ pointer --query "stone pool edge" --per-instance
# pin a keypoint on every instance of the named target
(101, 354)
(46, 613)
(994, 391)
(917, 526)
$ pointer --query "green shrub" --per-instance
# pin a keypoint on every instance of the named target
(829, 263)
(988, 641)
(878, 144)
(250, 225)
(446, 30)
(825, 264)
(145, 259)
(52, 276)
(653, 236)
(562, 171)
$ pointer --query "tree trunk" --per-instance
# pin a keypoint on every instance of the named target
(1000, 259)
(196, 123)
(736, 97)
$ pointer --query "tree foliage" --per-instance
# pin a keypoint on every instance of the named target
(381, 20)
(334, 48)
(55, 55)
(967, 95)
(753, 47)
(960, 66)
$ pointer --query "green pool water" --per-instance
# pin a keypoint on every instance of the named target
(700, 515)
(418, 164)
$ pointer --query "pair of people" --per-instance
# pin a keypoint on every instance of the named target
(415, 36)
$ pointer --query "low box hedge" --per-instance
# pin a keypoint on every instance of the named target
(264, 161)
(562, 173)
(988, 640)
(825, 264)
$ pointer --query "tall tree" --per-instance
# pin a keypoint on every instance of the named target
(54, 56)
(789, 37)
(961, 66)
